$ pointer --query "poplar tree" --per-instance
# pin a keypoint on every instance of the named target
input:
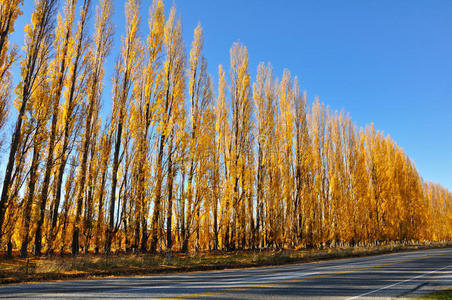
(320, 180)
(39, 112)
(97, 52)
(264, 96)
(168, 108)
(241, 129)
(302, 165)
(73, 95)
(146, 95)
(125, 76)
(37, 42)
(286, 110)
(58, 69)
(222, 147)
(197, 83)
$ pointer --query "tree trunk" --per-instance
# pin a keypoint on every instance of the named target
(169, 242)
(158, 191)
(114, 182)
(29, 203)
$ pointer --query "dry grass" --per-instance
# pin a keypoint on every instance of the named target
(67, 267)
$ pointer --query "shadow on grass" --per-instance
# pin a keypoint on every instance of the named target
(17, 270)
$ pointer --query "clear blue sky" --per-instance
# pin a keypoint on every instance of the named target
(386, 62)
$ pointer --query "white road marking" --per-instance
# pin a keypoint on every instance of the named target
(400, 282)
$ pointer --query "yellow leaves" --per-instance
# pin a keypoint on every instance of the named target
(36, 16)
(306, 165)
(168, 108)
(132, 8)
(197, 45)
(156, 24)
(28, 29)
(10, 10)
(63, 42)
(286, 107)
(195, 58)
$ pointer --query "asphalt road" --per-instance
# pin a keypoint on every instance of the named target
(383, 276)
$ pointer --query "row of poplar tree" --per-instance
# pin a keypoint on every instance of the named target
(179, 164)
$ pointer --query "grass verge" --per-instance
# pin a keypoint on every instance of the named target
(440, 295)
(91, 266)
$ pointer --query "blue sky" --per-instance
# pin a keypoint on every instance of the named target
(386, 62)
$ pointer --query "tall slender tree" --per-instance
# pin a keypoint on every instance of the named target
(58, 67)
(240, 92)
(168, 108)
(98, 51)
(123, 83)
(39, 113)
(145, 98)
(197, 83)
(37, 49)
(75, 89)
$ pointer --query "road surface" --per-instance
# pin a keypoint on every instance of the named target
(383, 276)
